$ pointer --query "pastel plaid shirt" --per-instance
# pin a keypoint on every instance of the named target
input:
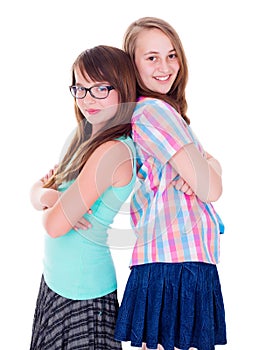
(170, 226)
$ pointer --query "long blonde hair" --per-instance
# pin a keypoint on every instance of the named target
(101, 63)
(176, 96)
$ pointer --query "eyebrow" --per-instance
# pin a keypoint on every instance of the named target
(156, 52)
(94, 84)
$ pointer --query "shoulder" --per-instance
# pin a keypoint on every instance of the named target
(154, 112)
(153, 102)
(149, 102)
(105, 162)
(127, 142)
(107, 146)
(114, 160)
(147, 106)
(112, 151)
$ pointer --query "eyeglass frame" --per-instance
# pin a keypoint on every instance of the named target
(109, 88)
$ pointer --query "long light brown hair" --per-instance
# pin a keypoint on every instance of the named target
(100, 63)
(176, 96)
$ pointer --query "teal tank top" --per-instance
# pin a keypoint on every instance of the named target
(79, 265)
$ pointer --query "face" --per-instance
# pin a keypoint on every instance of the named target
(156, 60)
(96, 111)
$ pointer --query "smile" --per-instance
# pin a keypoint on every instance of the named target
(163, 78)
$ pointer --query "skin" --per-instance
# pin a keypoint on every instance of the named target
(109, 165)
(156, 60)
(158, 66)
(96, 111)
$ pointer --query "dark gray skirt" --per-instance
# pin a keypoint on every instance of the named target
(65, 324)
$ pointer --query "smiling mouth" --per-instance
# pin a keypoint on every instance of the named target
(165, 78)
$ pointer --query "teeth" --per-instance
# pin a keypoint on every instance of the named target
(162, 78)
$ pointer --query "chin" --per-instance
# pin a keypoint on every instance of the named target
(162, 91)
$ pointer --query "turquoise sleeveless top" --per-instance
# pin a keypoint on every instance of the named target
(79, 265)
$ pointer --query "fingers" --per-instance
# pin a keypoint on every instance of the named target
(178, 183)
(49, 174)
(182, 186)
(189, 191)
(186, 188)
(83, 224)
(52, 171)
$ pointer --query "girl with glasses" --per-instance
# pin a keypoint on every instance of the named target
(77, 302)
(173, 296)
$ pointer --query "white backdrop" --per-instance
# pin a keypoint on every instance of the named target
(225, 44)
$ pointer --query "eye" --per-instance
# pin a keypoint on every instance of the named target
(172, 56)
(101, 88)
(152, 58)
(79, 89)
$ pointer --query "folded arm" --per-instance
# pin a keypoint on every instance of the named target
(109, 165)
(43, 198)
(203, 175)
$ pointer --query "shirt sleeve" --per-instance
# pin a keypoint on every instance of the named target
(159, 130)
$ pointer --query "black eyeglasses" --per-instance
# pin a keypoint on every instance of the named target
(97, 91)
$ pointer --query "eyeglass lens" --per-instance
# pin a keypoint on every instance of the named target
(100, 91)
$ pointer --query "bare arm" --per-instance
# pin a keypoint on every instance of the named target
(109, 165)
(42, 198)
(203, 175)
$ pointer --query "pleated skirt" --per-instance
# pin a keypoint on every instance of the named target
(173, 304)
(65, 324)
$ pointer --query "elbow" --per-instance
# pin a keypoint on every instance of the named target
(210, 193)
(214, 187)
(51, 231)
(214, 195)
(51, 227)
(52, 234)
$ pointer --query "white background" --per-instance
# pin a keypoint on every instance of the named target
(225, 44)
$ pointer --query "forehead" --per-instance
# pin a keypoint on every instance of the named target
(153, 40)
(89, 74)
(82, 78)
(80, 74)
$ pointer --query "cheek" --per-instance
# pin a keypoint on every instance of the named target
(110, 111)
(79, 104)
(145, 74)
(142, 69)
(112, 102)
(176, 67)
(109, 107)
(113, 99)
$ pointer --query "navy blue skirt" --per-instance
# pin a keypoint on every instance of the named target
(173, 304)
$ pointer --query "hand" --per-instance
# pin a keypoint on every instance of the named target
(83, 224)
(51, 173)
(181, 185)
(49, 197)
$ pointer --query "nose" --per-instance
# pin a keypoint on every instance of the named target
(88, 99)
(163, 66)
